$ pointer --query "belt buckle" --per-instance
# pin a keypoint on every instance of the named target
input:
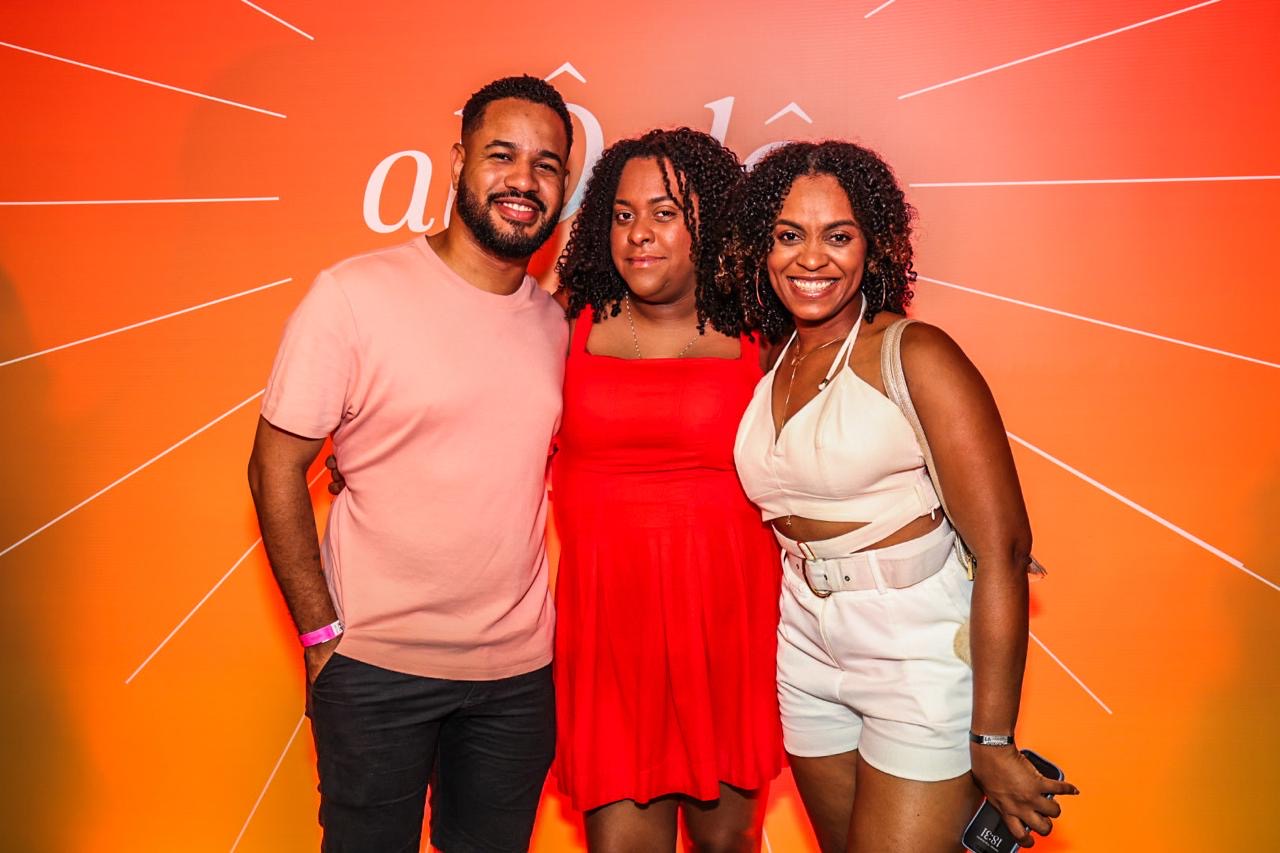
(804, 571)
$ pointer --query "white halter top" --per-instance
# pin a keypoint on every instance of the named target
(849, 454)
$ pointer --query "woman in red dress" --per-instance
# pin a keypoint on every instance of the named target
(667, 593)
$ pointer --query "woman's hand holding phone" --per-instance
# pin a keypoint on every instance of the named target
(1018, 790)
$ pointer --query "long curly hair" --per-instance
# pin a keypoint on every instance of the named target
(705, 172)
(879, 207)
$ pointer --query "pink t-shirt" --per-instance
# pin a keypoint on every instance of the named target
(442, 400)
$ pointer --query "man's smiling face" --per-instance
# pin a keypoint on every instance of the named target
(511, 178)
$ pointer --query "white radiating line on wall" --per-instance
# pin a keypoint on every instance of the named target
(886, 4)
(1052, 51)
(62, 202)
(764, 833)
(1067, 670)
(1089, 181)
(1164, 522)
(228, 413)
(193, 610)
(1097, 322)
(278, 19)
(270, 778)
(208, 595)
(142, 323)
(121, 74)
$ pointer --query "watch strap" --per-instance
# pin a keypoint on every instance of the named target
(991, 740)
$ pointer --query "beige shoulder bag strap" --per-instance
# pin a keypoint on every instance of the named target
(895, 383)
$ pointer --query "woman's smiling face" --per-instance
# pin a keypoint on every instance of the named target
(818, 254)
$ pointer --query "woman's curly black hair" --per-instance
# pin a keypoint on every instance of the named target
(879, 207)
(704, 170)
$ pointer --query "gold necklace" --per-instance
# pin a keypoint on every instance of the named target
(631, 323)
(795, 365)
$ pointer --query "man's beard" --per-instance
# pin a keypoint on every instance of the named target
(514, 247)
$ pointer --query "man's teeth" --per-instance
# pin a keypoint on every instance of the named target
(518, 205)
(812, 285)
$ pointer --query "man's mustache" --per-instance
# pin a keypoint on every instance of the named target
(526, 195)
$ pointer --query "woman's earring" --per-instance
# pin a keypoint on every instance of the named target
(759, 301)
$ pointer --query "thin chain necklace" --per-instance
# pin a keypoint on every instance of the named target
(791, 380)
(795, 365)
(631, 323)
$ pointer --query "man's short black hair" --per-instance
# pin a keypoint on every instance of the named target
(524, 87)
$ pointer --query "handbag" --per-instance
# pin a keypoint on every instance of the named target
(895, 383)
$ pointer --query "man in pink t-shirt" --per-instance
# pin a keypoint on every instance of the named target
(425, 616)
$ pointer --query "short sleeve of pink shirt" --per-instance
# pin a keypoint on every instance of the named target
(310, 384)
(442, 401)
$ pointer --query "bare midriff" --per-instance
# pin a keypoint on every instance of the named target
(812, 530)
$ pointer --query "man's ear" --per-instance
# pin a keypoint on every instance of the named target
(457, 157)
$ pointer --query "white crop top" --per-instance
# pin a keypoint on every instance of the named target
(849, 454)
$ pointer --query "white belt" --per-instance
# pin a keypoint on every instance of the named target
(880, 570)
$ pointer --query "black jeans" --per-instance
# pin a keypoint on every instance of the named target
(381, 736)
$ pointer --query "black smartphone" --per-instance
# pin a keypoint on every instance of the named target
(987, 833)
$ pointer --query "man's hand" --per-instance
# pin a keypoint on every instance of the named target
(336, 481)
(315, 657)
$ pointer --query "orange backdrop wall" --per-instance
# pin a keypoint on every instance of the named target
(1099, 203)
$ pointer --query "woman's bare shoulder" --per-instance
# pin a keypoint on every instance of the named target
(933, 362)
(927, 345)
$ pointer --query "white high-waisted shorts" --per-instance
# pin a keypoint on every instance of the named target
(877, 670)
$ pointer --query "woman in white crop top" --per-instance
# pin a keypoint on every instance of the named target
(879, 711)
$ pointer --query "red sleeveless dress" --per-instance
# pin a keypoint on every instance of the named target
(667, 593)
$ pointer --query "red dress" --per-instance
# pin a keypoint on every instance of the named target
(667, 594)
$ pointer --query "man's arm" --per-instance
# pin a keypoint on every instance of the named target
(278, 481)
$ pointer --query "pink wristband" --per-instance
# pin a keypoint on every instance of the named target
(321, 635)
